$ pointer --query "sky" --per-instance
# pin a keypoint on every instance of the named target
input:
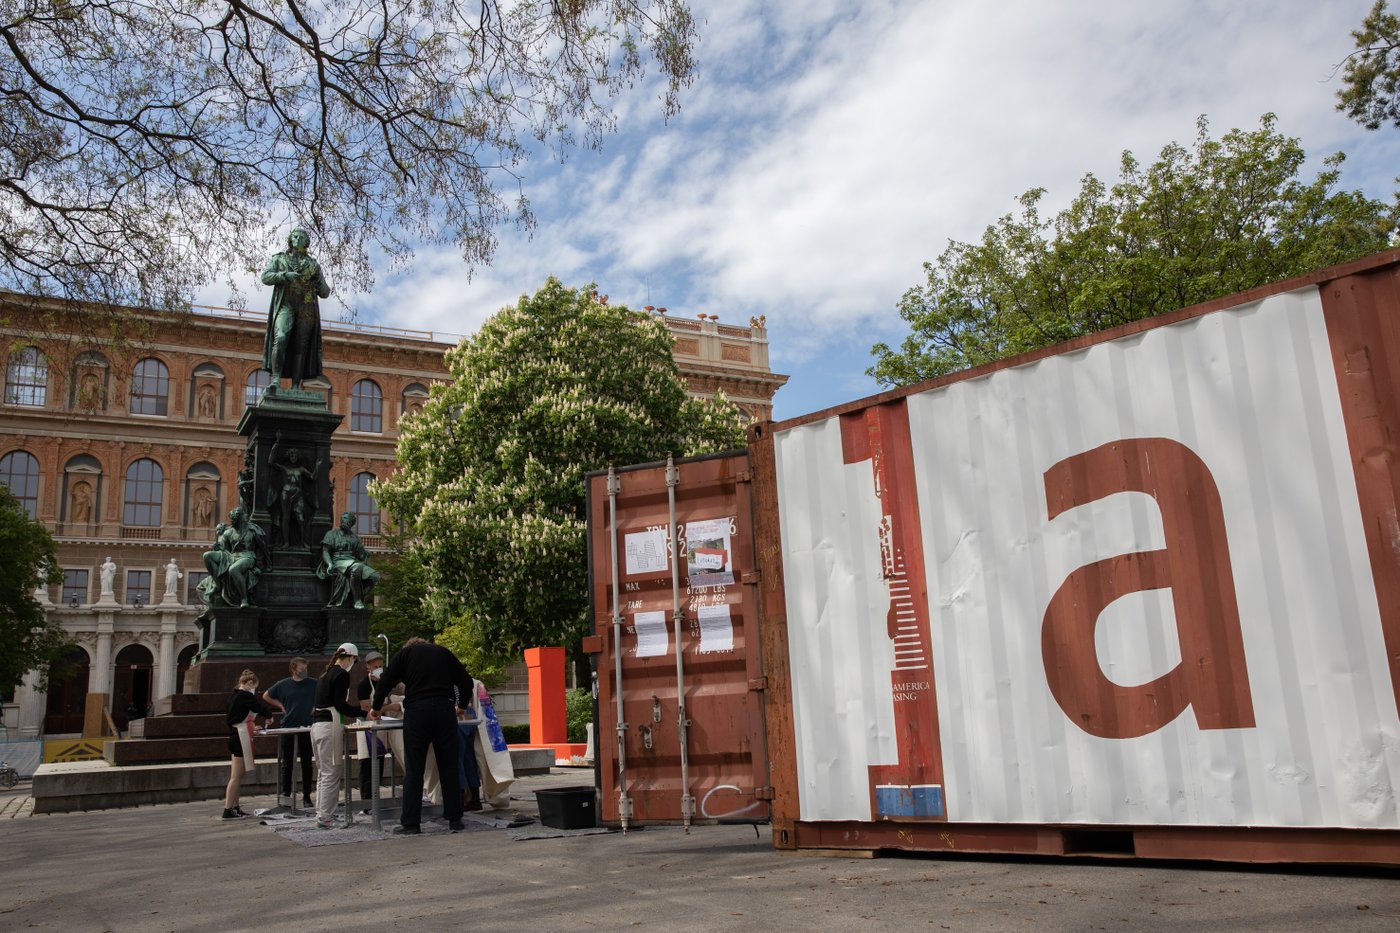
(826, 150)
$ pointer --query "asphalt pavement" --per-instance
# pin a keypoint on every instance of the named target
(178, 867)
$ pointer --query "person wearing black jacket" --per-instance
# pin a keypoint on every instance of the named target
(328, 716)
(435, 684)
(244, 701)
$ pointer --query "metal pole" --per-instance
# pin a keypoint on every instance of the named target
(624, 803)
(678, 615)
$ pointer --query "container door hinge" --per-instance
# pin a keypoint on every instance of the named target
(758, 683)
(763, 793)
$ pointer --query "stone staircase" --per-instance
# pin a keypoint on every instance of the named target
(185, 727)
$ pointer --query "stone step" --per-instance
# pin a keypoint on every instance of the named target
(173, 727)
(66, 787)
(127, 752)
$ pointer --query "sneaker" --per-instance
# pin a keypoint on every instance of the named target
(407, 831)
(306, 802)
(234, 814)
(456, 826)
(239, 811)
(325, 824)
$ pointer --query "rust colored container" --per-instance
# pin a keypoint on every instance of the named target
(1136, 594)
(678, 660)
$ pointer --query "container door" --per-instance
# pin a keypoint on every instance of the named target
(693, 745)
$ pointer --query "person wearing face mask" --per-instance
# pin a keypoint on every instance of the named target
(294, 696)
(243, 704)
(371, 747)
(332, 710)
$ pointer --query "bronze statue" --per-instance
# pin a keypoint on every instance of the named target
(343, 562)
(245, 481)
(239, 556)
(292, 503)
(292, 348)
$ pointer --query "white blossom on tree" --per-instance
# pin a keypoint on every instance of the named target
(491, 473)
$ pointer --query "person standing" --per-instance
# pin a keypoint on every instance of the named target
(243, 702)
(435, 683)
(295, 696)
(364, 692)
(328, 717)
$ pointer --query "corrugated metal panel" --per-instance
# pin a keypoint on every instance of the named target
(1149, 581)
(724, 771)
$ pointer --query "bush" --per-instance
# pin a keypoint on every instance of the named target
(578, 713)
(516, 733)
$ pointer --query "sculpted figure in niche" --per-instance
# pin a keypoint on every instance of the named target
(239, 556)
(206, 404)
(80, 503)
(344, 563)
(292, 347)
(292, 501)
(203, 507)
(89, 392)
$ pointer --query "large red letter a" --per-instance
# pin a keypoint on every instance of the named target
(1195, 565)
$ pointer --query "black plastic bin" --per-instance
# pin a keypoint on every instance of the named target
(567, 807)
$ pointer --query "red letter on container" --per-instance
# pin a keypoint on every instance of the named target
(1195, 564)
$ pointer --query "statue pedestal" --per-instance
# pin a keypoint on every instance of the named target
(233, 632)
(344, 625)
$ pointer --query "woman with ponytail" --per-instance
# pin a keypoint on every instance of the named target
(241, 705)
(333, 709)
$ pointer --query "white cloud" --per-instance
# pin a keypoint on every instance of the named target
(826, 151)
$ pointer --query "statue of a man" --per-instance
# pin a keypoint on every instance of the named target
(292, 348)
(292, 503)
(343, 562)
(239, 556)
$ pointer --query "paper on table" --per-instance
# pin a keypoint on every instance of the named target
(652, 640)
(646, 552)
(716, 628)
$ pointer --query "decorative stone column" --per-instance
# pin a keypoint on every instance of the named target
(165, 670)
(100, 678)
(33, 703)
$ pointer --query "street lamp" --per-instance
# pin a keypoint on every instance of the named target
(73, 602)
(136, 601)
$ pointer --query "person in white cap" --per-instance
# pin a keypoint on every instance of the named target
(333, 709)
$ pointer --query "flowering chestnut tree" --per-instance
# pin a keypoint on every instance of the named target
(491, 474)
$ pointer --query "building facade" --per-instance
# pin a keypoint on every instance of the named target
(124, 445)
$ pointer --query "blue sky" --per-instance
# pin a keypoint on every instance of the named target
(827, 149)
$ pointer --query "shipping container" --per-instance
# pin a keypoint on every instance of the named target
(676, 645)
(1136, 594)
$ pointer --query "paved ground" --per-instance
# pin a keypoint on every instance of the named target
(177, 867)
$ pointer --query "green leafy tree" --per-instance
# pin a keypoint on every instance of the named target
(1221, 217)
(1370, 92)
(29, 641)
(491, 474)
(150, 146)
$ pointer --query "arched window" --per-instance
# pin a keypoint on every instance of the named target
(258, 380)
(415, 396)
(19, 471)
(26, 378)
(363, 506)
(367, 407)
(141, 495)
(150, 388)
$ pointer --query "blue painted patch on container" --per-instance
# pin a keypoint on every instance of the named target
(908, 800)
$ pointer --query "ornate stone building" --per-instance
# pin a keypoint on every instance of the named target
(119, 434)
